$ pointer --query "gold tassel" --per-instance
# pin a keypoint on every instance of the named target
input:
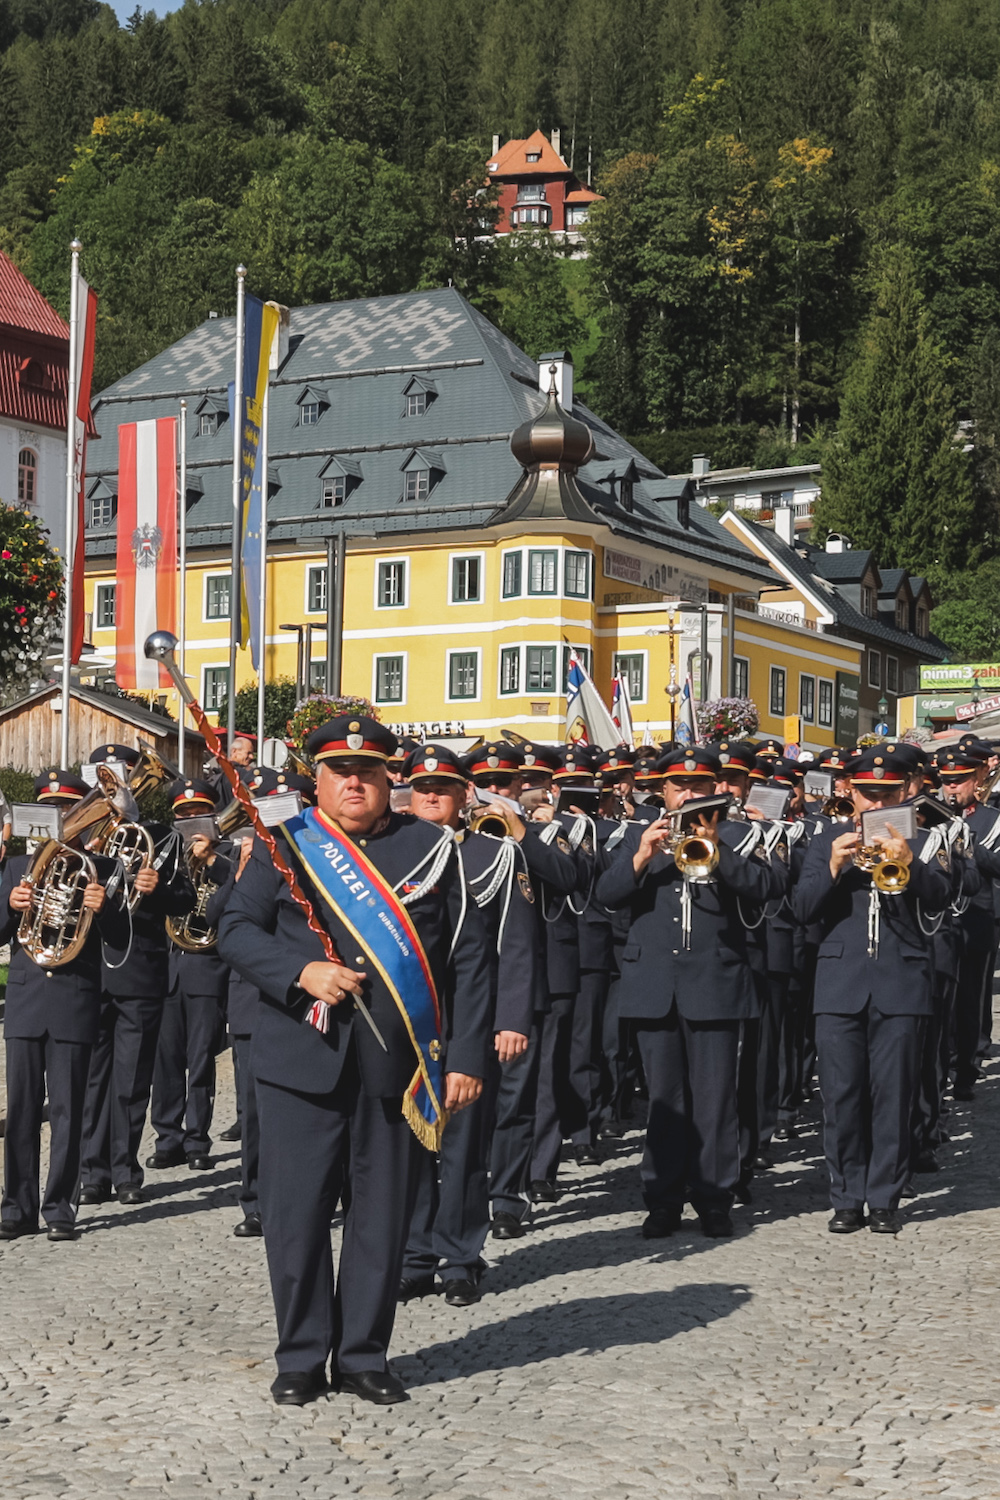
(428, 1133)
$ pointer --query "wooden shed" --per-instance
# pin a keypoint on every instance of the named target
(30, 730)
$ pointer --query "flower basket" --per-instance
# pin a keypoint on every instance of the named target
(318, 708)
(727, 718)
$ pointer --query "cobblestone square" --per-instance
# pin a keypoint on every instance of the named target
(783, 1363)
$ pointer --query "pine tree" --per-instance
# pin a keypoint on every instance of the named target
(896, 478)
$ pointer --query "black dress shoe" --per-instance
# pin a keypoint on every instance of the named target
(910, 1189)
(716, 1224)
(249, 1228)
(847, 1221)
(762, 1161)
(296, 1387)
(129, 1195)
(542, 1191)
(234, 1132)
(964, 1092)
(743, 1194)
(199, 1162)
(60, 1232)
(507, 1227)
(411, 1287)
(461, 1293)
(379, 1386)
(785, 1133)
(659, 1223)
(926, 1161)
(15, 1231)
(161, 1159)
(884, 1221)
(613, 1129)
(91, 1195)
(586, 1156)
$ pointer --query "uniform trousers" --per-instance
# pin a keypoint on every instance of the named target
(585, 1048)
(772, 1024)
(747, 1102)
(926, 1126)
(975, 983)
(309, 1145)
(559, 1109)
(692, 1146)
(118, 1085)
(451, 1214)
(184, 1073)
(514, 1126)
(869, 1068)
(32, 1064)
(791, 1048)
(246, 1096)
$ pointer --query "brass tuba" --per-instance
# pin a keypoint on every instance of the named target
(191, 932)
(128, 840)
(56, 926)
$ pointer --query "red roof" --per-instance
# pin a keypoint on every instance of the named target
(24, 308)
(581, 194)
(32, 385)
(512, 160)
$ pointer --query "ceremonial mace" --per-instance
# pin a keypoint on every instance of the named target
(160, 647)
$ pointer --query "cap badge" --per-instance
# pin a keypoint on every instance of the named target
(879, 772)
(355, 741)
(430, 764)
(493, 761)
(689, 764)
(189, 792)
(725, 757)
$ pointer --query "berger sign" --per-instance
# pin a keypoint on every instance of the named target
(660, 578)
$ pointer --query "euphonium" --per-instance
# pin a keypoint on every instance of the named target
(191, 932)
(129, 841)
(889, 876)
(56, 926)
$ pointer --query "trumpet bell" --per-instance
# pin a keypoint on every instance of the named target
(890, 877)
(696, 858)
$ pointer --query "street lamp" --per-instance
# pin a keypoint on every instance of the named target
(882, 709)
(302, 660)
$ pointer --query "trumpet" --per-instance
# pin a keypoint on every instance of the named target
(988, 786)
(493, 819)
(839, 809)
(695, 856)
(890, 876)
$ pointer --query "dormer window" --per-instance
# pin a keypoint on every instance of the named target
(418, 395)
(208, 424)
(101, 510)
(416, 403)
(626, 488)
(869, 603)
(309, 413)
(210, 413)
(334, 490)
(532, 156)
(337, 478)
(312, 403)
(922, 621)
(901, 612)
(416, 484)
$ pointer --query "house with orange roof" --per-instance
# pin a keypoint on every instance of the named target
(34, 374)
(537, 188)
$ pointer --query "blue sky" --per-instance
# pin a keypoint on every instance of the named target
(124, 8)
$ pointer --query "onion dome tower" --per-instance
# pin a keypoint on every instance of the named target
(550, 448)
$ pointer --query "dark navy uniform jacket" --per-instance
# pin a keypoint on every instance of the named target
(63, 1002)
(203, 974)
(899, 982)
(243, 998)
(977, 922)
(966, 882)
(140, 966)
(515, 953)
(711, 981)
(265, 937)
(560, 876)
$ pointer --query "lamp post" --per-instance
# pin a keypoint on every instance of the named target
(882, 708)
(303, 655)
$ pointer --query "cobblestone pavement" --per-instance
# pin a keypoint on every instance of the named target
(784, 1363)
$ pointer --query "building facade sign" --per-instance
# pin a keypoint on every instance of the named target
(662, 578)
(848, 691)
(963, 677)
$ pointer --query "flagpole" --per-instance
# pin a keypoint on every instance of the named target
(262, 586)
(182, 599)
(235, 595)
(69, 549)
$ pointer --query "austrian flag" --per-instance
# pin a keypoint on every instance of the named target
(147, 546)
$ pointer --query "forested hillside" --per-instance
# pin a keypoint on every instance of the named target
(798, 253)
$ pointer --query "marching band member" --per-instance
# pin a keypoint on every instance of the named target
(135, 980)
(451, 1219)
(51, 1022)
(874, 986)
(687, 986)
(390, 893)
(183, 1096)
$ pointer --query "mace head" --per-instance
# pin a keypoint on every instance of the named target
(160, 646)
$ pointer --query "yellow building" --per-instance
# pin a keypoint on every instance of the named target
(474, 560)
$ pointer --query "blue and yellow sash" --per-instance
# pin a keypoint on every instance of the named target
(372, 913)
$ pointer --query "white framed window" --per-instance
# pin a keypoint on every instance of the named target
(316, 589)
(391, 582)
(416, 403)
(218, 588)
(389, 678)
(309, 414)
(543, 570)
(807, 697)
(214, 687)
(101, 509)
(416, 484)
(317, 675)
(510, 670)
(105, 606)
(892, 674)
(777, 698)
(741, 677)
(27, 478)
(540, 669)
(208, 424)
(874, 669)
(825, 717)
(462, 685)
(632, 666)
(512, 571)
(334, 491)
(467, 578)
(577, 573)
